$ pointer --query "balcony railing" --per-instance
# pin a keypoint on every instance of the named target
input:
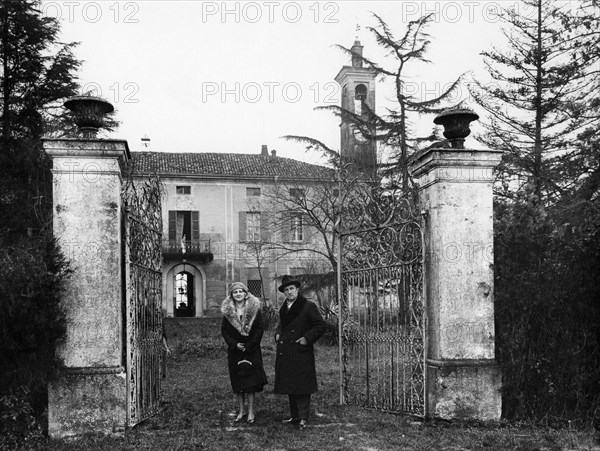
(179, 249)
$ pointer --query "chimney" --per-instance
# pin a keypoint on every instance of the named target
(273, 153)
(264, 150)
(145, 141)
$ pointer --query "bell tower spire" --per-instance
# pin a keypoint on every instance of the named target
(358, 99)
(357, 53)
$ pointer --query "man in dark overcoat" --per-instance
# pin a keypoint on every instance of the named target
(300, 325)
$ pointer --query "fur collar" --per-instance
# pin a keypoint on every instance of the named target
(252, 307)
(287, 316)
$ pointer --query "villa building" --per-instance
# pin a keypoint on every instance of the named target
(218, 224)
(217, 228)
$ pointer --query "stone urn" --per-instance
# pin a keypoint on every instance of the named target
(456, 125)
(89, 113)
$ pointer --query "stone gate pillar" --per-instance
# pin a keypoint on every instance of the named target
(455, 186)
(89, 395)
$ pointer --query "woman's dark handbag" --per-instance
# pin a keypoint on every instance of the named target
(245, 368)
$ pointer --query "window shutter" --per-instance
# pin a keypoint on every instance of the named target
(286, 227)
(195, 225)
(243, 227)
(172, 225)
(264, 226)
(306, 221)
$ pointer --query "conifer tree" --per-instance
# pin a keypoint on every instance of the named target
(581, 41)
(38, 73)
(543, 112)
(533, 99)
(394, 130)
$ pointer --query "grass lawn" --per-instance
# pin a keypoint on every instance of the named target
(198, 411)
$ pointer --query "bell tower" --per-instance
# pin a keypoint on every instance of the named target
(358, 97)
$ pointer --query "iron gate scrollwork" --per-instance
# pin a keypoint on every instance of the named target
(381, 295)
(142, 231)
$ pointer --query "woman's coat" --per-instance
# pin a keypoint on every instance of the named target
(295, 372)
(249, 332)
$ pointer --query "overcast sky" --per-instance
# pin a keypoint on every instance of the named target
(198, 76)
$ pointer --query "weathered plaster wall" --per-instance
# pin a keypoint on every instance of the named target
(460, 270)
(87, 403)
(463, 379)
(87, 223)
(90, 393)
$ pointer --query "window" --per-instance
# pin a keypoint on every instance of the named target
(254, 282)
(183, 225)
(296, 192)
(252, 226)
(252, 192)
(293, 227)
(296, 226)
(183, 189)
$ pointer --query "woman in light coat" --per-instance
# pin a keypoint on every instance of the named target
(242, 329)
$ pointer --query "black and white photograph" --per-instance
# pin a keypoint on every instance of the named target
(300, 225)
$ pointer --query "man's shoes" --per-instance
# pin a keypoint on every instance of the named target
(302, 424)
(291, 421)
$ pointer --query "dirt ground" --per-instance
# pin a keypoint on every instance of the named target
(198, 411)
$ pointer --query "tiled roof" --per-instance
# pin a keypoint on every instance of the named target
(226, 164)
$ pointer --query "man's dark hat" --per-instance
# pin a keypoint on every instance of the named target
(287, 281)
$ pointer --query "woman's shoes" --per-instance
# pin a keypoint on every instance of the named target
(239, 418)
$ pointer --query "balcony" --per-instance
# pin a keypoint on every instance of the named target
(190, 250)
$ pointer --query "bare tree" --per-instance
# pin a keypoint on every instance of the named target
(304, 215)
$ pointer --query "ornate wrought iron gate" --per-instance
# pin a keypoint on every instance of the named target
(142, 232)
(381, 294)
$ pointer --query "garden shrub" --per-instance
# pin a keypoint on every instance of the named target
(547, 311)
(270, 316)
(331, 335)
(33, 273)
(20, 427)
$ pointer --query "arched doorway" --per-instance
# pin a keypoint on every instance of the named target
(184, 283)
(185, 301)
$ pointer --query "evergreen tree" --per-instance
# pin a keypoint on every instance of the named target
(326, 205)
(38, 73)
(543, 112)
(580, 166)
(531, 102)
(393, 130)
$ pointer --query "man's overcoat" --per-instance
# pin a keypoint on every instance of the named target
(295, 372)
(248, 331)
